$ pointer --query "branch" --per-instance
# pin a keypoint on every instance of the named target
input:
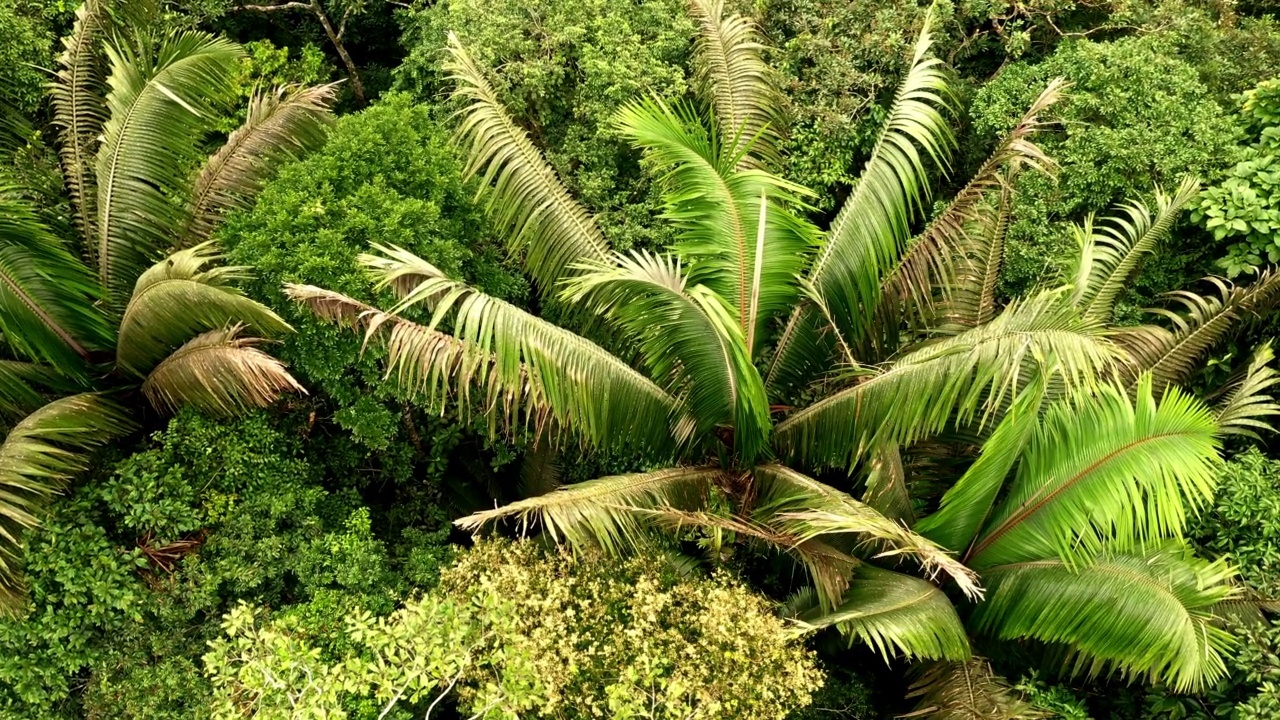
(272, 8)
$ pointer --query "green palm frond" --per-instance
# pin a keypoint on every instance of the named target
(164, 96)
(46, 293)
(1244, 398)
(895, 614)
(609, 512)
(1171, 356)
(870, 231)
(808, 510)
(688, 338)
(1111, 250)
(738, 231)
(969, 690)
(219, 373)
(526, 369)
(282, 124)
(732, 76)
(962, 378)
(40, 453)
(968, 503)
(887, 489)
(937, 259)
(528, 201)
(1145, 614)
(1104, 469)
(180, 297)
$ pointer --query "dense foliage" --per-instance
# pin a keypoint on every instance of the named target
(521, 632)
(806, 337)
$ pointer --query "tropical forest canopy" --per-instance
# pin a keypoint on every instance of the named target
(795, 359)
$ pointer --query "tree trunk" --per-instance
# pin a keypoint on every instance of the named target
(357, 88)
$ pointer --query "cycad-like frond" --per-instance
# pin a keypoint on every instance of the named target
(164, 96)
(807, 510)
(938, 258)
(608, 512)
(1104, 469)
(732, 76)
(180, 297)
(526, 198)
(895, 614)
(688, 338)
(871, 230)
(738, 232)
(968, 690)
(972, 299)
(46, 294)
(281, 124)
(1145, 614)
(959, 378)
(526, 369)
(219, 373)
(39, 454)
(20, 387)
(1171, 356)
(1111, 251)
(1245, 398)
(966, 505)
(828, 568)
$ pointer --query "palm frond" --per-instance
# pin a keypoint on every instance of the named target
(968, 503)
(219, 373)
(972, 299)
(180, 297)
(887, 485)
(732, 76)
(282, 124)
(937, 259)
(689, 340)
(1244, 398)
(870, 232)
(1104, 469)
(807, 510)
(78, 100)
(38, 456)
(526, 369)
(47, 295)
(1111, 250)
(960, 378)
(738, 231)
(527, 200)
(895, 614)
(828, 567)
(608, 512)
(1146, 614)
(969, 690)
(1171, 356)
(164, 96)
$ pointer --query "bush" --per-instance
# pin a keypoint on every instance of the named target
(390, 175)
(526, 633)
(1245, 208)
(130, 575)
(1136, 117)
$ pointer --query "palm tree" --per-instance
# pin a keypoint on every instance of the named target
(758, 351)
(128, 293)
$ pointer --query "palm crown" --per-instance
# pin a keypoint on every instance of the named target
(758, 346)
(100, 306)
